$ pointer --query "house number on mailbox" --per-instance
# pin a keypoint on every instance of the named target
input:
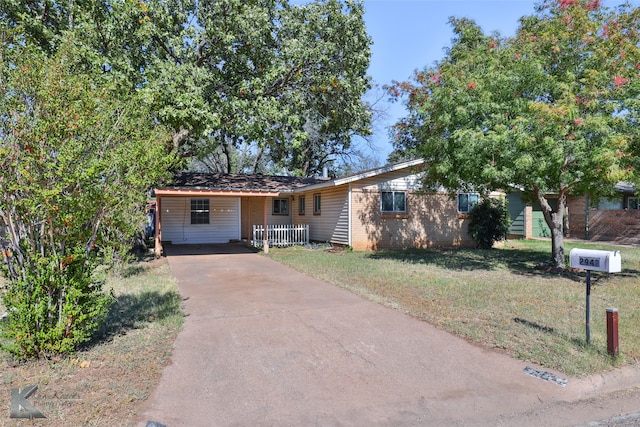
(589, 262)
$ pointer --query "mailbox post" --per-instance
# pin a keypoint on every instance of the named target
(588, 259)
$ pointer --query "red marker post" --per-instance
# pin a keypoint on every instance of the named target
(612, 332)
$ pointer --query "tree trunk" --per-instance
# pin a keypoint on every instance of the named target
(179, 137)
(226, 150)
(555, 221)
(257, 160)
(557, 239)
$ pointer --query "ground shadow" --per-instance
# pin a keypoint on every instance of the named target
(134, 311)
(208, 249)
(468, 259)
(577, 342)
(526, 262)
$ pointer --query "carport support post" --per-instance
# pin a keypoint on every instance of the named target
(265, 240)
(158, 230)
(250, 241)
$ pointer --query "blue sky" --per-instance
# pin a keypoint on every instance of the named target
(411, 34)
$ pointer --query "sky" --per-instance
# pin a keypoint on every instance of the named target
(411, 34)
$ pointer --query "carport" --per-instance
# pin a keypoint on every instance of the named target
(203, 208)
(228, 215)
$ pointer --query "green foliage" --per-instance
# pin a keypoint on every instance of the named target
(489, 222)
(56, 307)
(285, 80)
(77, 156)
(552, 110)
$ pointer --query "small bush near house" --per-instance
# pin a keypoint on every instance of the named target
(489, 222)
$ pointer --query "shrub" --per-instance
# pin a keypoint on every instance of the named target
(489, 222)
(54, 308)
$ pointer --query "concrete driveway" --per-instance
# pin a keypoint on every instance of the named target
(264, 345)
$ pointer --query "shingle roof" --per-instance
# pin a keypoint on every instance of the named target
(625, 187)
(234, 182)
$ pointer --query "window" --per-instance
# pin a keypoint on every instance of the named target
(466, 201)
(393, 201)
(301, 205)
(199, 211)
(280, 207)
(316, 204)
(610, 204)
(632, 203)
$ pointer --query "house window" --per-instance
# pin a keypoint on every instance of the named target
(393, 201)
(632, 203)
(609, 204)
(199, 211)
(466, 202)
(316, 204)
(280, 207)
(301, 205)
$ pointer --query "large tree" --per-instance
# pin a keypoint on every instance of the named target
(76, 162)
(552, 111)
(285, 80)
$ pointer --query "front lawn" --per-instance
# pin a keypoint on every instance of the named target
(496, 298)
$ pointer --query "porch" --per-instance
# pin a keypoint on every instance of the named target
(281, 235)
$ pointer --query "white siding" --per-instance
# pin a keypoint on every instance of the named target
(397, 181)
(332, 225)
(224, 221)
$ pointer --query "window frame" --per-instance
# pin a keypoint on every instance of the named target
(469, 204)
(613, 204)
(394, 209)
(200, 211)
(317, 203)
(628, 202)
(280, 201)
(301, 205)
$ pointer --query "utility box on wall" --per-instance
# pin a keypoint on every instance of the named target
(596, 260)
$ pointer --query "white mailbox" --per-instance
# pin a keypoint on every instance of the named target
(589, 259)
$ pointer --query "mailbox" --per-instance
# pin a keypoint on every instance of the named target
(589, 259)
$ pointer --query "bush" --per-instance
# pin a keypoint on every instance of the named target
(489, 222)
(54, 308)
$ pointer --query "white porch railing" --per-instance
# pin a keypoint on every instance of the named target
(281, 235)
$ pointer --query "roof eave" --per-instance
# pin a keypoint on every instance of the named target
(212, 192)
(361, 175)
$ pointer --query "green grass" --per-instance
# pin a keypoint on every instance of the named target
(496, 298)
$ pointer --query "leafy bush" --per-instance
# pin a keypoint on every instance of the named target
(54, 308)
(76, 161)
(489, 222)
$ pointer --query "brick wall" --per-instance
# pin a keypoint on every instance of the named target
(431, 220)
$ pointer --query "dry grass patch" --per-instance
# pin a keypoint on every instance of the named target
(106, 383)
(496, 298)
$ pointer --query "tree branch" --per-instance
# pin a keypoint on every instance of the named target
(169, 52)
